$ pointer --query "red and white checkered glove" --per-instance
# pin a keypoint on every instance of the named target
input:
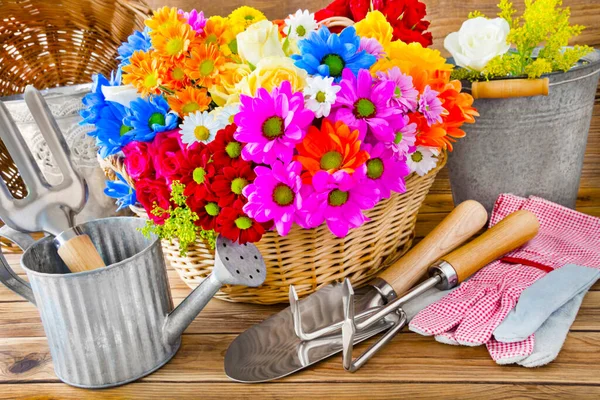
(471, 313)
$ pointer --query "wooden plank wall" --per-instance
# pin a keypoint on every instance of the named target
(446, 16)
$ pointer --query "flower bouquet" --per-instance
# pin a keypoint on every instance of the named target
(318, 144)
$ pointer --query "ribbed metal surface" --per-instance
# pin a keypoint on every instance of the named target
(104, 327)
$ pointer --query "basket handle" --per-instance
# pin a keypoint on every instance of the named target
(462, 223)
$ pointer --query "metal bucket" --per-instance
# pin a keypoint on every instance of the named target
(104, 327)
(528, 145)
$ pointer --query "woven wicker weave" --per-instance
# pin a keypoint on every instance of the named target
(311, 258)
(57, 43)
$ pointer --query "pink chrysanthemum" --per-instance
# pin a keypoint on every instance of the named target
(363, 106)
(372, 46)
(271, 124)
(430, 106)
(405, 95)
(338, 199)
(384, 170)
(404, 141)
(195, 19)
(275, 195)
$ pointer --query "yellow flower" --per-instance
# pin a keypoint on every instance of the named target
(163, 18)
(145, 72)
(231, 74)
(259, 41)
(410, 56)
(376, 26)
(173, 41)
(220, 31)
(270, 73)
(246, 16)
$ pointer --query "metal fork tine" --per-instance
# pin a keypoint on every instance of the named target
(51, 132)
(17, 148)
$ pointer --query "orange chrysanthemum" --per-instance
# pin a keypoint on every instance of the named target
(189, 100)
(220, 32)
(173, 42)
(175, 78)
(145, 72)
(204, 65)
(332, 148)
(163, 18)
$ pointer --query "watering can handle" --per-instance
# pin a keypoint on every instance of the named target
(7, 276)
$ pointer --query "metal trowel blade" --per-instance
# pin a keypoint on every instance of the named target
(271, 349)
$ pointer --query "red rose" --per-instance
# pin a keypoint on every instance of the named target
(138, 160)
(151, 193)
(168, 155)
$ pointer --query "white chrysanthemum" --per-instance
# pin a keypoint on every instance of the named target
(319, 94)
(224, 115)
(199, 127)
(423, 160)
(299, 25)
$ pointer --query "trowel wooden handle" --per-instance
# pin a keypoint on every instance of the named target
(509, 234)
(505, 88)
(463, 222)
(79, 254)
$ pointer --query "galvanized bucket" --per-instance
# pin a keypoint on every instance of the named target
(104, 327)
(528, 145)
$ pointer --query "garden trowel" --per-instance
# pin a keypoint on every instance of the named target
(336, 317)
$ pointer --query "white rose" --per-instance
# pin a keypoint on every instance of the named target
(478, 41)
(259, 40)
(123, 94)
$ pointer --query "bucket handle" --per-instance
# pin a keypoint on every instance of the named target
(7, 276)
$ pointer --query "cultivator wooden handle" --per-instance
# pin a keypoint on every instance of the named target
(505, 88)
(462, 223)
(512, 232)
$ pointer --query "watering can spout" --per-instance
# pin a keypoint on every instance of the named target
(235, 264)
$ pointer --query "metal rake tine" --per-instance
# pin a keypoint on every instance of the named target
(51, 132)
(18, 150)
(297, 318)
(348, 327)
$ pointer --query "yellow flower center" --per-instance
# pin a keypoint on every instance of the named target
(199, 175)
(321, 97)
(201, 133)
(417, 156)
(337, 198)
(212, 38)
(151, 80)
(233, 149)
(301, 31)
(206, 67)
(212, 209)
(249, 17)
(331, 160)
(273, 127)
(375, 168)
(283, 195)
(174, 46)
(178, 74)
(238, 184)
(243, 223)
(190, 107)
(231, 119)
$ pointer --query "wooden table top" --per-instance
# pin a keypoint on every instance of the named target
(410, 366)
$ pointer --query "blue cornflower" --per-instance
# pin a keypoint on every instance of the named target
(94, 101)
(121, 191)
(149, 116)
(111, 133)
(327, 54)
(137, 41)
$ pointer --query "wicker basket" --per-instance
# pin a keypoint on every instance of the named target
(57, 43)
(311, 258)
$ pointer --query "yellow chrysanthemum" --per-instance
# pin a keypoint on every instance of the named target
(220, 31)
(376, 26)
(410, 56)
(204, 65)
(163, 18)
(173, 42)
(245, 16)
(145, 72)
(189, 100)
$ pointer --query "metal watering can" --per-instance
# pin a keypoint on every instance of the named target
(113, 325)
